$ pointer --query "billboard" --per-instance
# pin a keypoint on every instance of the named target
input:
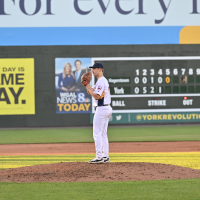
(17, 87)
(71, 95)
(100, 22)
(101, 13)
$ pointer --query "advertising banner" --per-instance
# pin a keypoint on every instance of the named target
(101, 13)
(114, 22)
(143, 118)
(71, 95)
(17, 88)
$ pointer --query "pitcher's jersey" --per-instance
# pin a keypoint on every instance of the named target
(102, 88)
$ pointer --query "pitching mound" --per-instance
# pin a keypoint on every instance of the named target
(81, 171)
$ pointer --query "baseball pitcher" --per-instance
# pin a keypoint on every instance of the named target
(101, 93)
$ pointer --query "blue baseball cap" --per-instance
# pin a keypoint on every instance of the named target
(97, 65)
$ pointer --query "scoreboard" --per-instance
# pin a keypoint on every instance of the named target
(153, 84)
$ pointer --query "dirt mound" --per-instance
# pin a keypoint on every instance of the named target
(81, 172)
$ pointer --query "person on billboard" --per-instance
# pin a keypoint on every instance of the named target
(78, 73)
(66, 80)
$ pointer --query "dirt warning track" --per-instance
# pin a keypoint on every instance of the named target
(116, 147)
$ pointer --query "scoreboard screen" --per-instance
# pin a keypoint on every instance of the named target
(153, 84)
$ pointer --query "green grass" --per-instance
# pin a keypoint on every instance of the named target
(188, 159)
(115, 134)
(149, 190)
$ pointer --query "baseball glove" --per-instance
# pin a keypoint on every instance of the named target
(85, 79)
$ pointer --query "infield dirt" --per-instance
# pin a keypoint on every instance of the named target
(115, 147)
(82, 171)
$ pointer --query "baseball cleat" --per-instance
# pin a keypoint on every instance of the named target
(106, 159)
(96, 160)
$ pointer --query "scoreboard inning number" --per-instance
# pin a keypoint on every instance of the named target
(158, 79)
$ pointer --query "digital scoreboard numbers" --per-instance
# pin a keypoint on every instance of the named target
(167, 80)
(153, 83)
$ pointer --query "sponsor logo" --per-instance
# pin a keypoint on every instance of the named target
(81, 97)
(67, 97)
(118, 117)
(87, 100)
(74, 107)
(70, 101)
(139, 117)
(71, 97)
(167, 117)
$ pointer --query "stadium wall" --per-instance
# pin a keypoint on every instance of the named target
(44, 75)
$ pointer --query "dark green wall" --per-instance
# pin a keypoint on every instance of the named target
(45, 76)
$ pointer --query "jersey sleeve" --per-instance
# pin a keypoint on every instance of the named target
(99, 88)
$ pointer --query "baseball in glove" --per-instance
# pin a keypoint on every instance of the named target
(85, 79)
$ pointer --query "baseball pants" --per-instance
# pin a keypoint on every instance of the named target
(100, 125)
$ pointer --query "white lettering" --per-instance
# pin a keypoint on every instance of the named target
(119, 91)
(67, 97)
(119, 80)
(118, 104)
(157, 102)
(187, 102)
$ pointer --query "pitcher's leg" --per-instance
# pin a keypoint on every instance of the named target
(105, 135)
(105, 139)
(98, 125)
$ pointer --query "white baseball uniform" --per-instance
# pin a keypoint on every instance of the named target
(101, 117)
